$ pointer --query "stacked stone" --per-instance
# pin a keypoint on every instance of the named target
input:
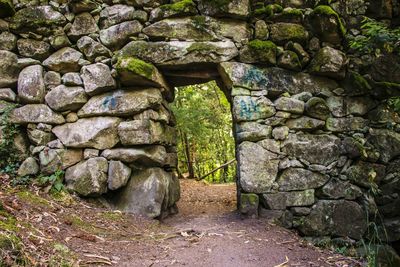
(313, 137)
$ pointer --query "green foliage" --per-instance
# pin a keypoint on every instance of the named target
(55, 180)
(204, 125)
(394, 103)
(8, 131)
(377, 38)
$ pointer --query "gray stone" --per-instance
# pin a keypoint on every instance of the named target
(52, 160)
(122, 103)
(290, 163)
(234, 9)
(72, 79)
(249, 205)
(305, 123)
(55, 144)
(31, 87)
(261, 31)
(346, 124)
(326, 25)
(147, 193)
(90, 153)
(38, 137)
(270, 145)
(63, 98)
(252, 131)
(336, 189)
(8, 95)
(300, 179)
(33, 48)
(329, 62)
(35, 113)
(118, 175)
(280, 133)
(146, 132)
(317, 107)
(258, 168)
(92, 49)
(248, 108)
(331, 217)
(282, 200)
(343, 106)
(64, 60)
(97, 79)
(290, 105)
(8, 41)
(365, 174)
(9, 68)
(99, 133)
(281, 33)
(387, 142)
(252, 53)
(289, 60)
(84, 24)
(115, 14)
(88, 178)
(118, 35)
(274, 80)
(180, 53)
(52, 79)
(28, 167)
(310, 148)
(148, 156)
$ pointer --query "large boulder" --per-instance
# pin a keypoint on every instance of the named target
(99, 133)
(9, 69)
(63, 98)
(147, 193)
(281, 33)
(274, 80)
(387, 142)
(146, 132)
(340, 218)
(121, 103)
(249, 108)
(118, 35)
(88, 178)
(97, 79)
(309, 147)
(64, 60)
(180, 53)
(35, 113)
(32, 18)
(31, 87)
(258, 168)
(329, 62)
(300, 179)
(327, 25)
(115, 14)
(148, 156)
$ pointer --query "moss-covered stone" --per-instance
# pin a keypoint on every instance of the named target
(6, 8)
(135, 66)
(259, 51)
(31, 18)
(326, 28)
(249, 204)
(281, 33)
(268, 10)
(179, 7)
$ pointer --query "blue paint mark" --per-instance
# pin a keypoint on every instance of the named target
(248, 109)
(110, 103)
(255, 76)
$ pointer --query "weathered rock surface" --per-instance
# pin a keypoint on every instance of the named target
(178, 53)
(8, 95)
(118, 35)
(63, 98)
(9, 68)
(149, 156)
(258, 167)
(99, 133)
(52, 160)
(28, 167)
(64, 60)
(282, 200)
(281, 33)
(290, 105)
(84, 24)
(118, 175)
(31, 88)
(33, 48)
(121, 103)
(329, 62)
(35, 113)
(235, 8)
(248, 108)
(252, 131)
(88, 178)
(92, 49)
(32, 18)
(300, 179)
(345, 124)
(147, 193)
(336, 189)
(97, 79)
(305, 123)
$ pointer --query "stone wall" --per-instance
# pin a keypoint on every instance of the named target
(315, 138)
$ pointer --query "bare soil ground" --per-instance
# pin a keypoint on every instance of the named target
(65, 231)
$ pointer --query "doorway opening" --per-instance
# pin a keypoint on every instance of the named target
(206, 149)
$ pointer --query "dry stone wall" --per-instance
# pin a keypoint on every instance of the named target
(93, 81)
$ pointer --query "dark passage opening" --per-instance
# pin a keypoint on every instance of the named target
(206, 149)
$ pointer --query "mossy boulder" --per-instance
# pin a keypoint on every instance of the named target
(6, 8)
(262, 10)
(327, 25)
(177, 9)
(329, 62)
(258, 51)
(281, 33)
(225, 8)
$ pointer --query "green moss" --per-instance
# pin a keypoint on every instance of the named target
(200, 22)
(268, 10)
(388, 85)
(261, 45)
(33, 199)
(180, 7)
(110, 215)
(292, 12)
(200, 47)
(136, 66)
(8, 222)
(6, 8)
(248, 200)
(358, 81)
(328, 11)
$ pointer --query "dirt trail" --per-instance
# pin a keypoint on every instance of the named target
(206, 232)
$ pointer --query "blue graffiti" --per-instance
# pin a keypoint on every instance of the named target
(110, 102)
(248, 109)
(256, 77)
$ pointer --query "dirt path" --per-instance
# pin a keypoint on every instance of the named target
(207, 232)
